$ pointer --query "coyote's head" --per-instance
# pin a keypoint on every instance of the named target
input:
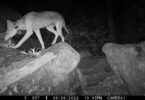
(11, 30)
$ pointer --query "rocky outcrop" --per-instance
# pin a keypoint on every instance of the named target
(54, 72)
(128, 63)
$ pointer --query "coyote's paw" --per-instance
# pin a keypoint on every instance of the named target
(9, 44)
(12, 46)
(6, 45)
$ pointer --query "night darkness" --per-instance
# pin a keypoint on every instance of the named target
(66, 7)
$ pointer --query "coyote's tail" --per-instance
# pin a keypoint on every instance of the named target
(65, 28)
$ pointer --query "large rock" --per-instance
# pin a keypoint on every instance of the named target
(54, 72)
(128, 63)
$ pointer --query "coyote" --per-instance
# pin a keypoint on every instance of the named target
(34, 21)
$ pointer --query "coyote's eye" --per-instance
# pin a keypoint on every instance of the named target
(16, 27)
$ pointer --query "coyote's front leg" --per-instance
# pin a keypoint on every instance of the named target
(38, 34)
(29, 32)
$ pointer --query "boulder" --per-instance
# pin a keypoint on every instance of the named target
(128, 63)
(54, 72)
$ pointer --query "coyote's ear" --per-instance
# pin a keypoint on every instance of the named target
(9, 23)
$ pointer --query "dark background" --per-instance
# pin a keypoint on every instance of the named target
(68, 7)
